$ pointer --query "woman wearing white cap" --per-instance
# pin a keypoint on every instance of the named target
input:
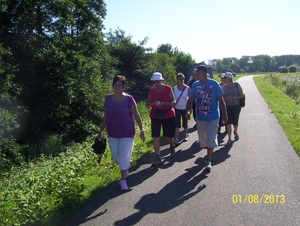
(161, 100)
(232, 93)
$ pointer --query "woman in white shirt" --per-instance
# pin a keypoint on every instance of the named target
(182, 93)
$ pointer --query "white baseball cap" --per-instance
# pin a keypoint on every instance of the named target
(228, 75)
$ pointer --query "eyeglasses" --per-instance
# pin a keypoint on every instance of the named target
(157, 81)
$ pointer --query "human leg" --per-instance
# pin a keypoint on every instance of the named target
(237, 110)
(156, 145)
(126, 148)
(229, 129)
(169, 132)
(230, 114)
(178, 125)
(176, 141)
(114, 149)
(155, 128)
(212, 140)
(184, 124)
(202, 133)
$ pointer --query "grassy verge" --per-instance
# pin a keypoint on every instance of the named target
(51, 191)
(285, 108)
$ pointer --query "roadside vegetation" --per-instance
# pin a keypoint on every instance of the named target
(282, 94)
(52, 190)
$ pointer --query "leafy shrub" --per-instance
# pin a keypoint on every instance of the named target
(283, 69)
(293, 88)
(28, 195)
(293, 68)
(10, 150)
(51, 145)
(273, 79)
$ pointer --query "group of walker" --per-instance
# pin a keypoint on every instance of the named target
(168, 108)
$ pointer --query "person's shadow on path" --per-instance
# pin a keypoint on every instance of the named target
(171, 196)
(139, 177)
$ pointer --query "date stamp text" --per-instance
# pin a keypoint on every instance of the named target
(258, 199)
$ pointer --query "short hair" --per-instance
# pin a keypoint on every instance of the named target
(180, 75)
(119, 78)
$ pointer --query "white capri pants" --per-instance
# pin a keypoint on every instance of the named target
(121, 151)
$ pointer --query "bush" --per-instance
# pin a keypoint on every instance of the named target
(273, 79)
(293, 88)
(10, 150)
(293, 68)
(283, 69)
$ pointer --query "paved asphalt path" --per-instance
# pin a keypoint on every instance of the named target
(182, 192)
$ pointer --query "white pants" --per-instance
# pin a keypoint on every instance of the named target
(121, 151)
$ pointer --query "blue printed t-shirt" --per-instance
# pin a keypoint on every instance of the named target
(206, 95)
(119, 117)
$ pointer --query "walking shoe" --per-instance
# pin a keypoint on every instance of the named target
(186, 138)
(176, 142)
(212, 158)
(208, 164)
(157, 160)
(172, 151)
(123, 185)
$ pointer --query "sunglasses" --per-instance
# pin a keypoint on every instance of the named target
(157, 81)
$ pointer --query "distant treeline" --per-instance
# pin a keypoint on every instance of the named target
(259, 63)
(56, 67)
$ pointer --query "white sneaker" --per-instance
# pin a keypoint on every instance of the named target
(123, 185)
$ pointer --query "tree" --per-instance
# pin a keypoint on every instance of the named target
(182, 61)
(257, 64)
(167, 48)
(58, 50)
(133, 61)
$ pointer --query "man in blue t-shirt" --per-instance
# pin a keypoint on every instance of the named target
(208, 96)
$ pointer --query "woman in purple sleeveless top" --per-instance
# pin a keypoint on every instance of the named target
(120, 110)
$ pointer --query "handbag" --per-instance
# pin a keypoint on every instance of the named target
(160, 113)
(242, 100)
(99, 147)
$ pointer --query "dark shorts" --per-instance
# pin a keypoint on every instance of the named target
(168, 126)
(180, 114)
(233, 113)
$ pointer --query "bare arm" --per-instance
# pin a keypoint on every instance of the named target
(189, 105)
(224, 110)
(148, 103)
(138, 120)
(241, 94)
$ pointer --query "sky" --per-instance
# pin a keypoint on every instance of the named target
(210, 29)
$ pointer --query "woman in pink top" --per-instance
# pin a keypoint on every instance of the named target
(161, 100)
(120, 109)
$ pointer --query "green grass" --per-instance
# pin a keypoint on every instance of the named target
(52, 190)
(286, 109)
